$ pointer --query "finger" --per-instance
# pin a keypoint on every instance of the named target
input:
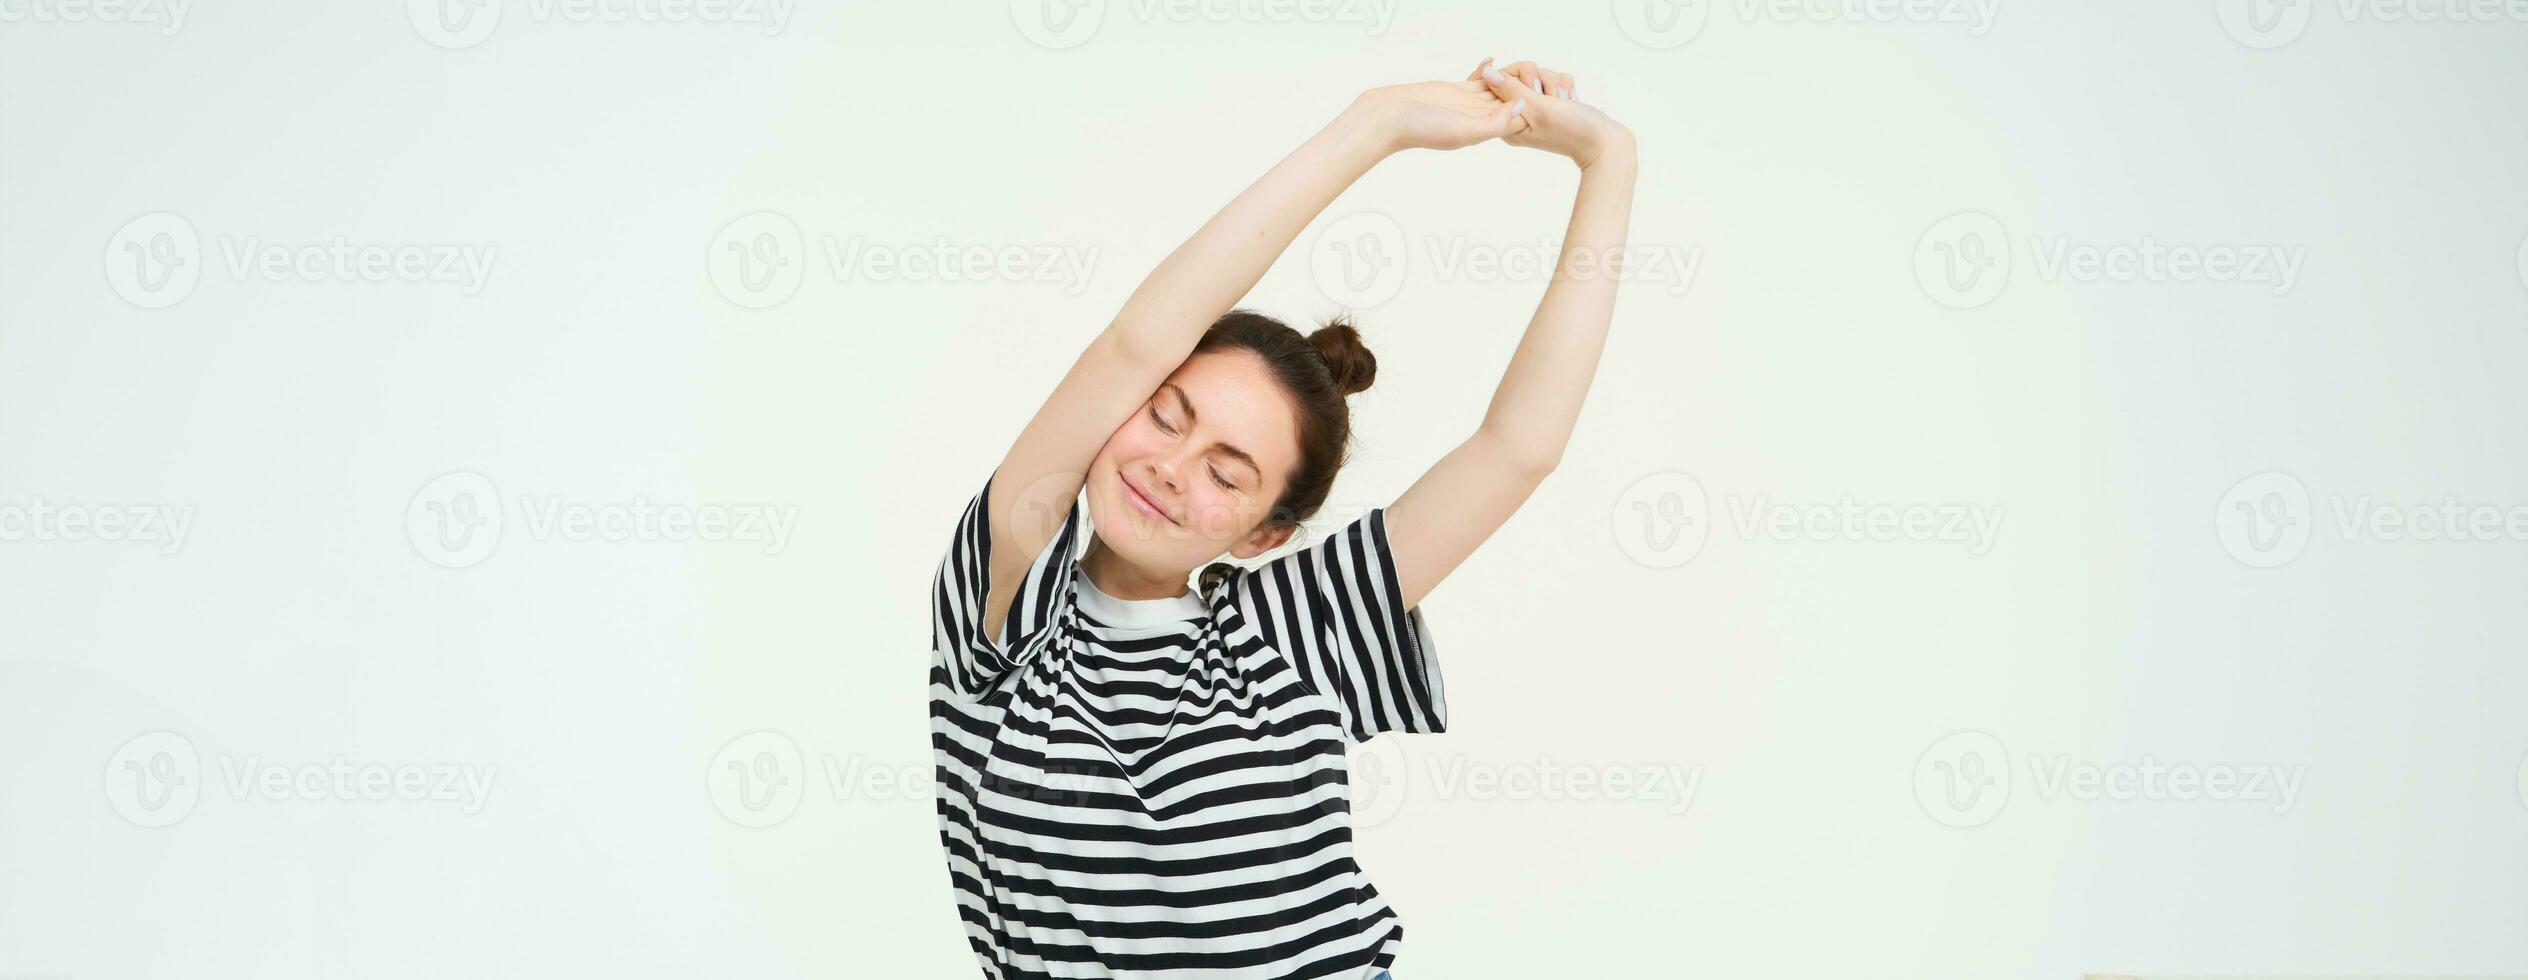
(1507, 87)
(1570, 86)
(1507, 121)
(1477, 74)
(1549, 81)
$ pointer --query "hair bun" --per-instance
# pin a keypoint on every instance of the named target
(1351, 363)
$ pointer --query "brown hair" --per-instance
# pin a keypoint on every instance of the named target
(1318, 371)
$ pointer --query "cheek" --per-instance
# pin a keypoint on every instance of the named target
(1226, 515)
(1125, 445)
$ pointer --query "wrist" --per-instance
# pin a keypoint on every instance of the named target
(1614, 151)
(1366, 126)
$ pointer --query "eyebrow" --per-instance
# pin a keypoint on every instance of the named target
(1191, 416)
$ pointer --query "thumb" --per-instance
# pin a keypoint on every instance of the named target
(1506, 120)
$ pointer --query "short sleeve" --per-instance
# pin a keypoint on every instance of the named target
(1335, 610)
(974, 662)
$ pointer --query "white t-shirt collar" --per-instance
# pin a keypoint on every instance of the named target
(1134, 612)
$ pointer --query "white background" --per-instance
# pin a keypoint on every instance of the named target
(2149, 599)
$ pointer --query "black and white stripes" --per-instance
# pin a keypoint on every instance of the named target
(1332, 608)
(1166, 796)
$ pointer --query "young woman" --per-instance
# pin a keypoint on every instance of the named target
(1140, 778)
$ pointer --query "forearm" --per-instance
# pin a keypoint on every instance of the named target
(1207, 275)
(1538, 402)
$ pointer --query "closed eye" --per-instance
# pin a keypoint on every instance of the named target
(1171, 430)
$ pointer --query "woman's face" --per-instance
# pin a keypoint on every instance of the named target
(1195, 471)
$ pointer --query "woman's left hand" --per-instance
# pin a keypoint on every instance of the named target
(1438, 115)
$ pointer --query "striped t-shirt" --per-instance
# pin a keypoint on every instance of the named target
(1156, 788)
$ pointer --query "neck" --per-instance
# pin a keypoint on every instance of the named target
(1120, 579)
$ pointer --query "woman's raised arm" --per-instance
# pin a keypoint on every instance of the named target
(1038, 479)
(1473, 490)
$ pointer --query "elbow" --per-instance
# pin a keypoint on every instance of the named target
(1536, 466)
(1530, 459)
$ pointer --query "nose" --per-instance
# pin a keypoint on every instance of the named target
(1171, 468)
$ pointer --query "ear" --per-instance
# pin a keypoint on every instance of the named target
(1262, 540)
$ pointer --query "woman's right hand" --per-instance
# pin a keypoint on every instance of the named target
(1551, 119)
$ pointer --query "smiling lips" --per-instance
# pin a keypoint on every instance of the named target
(1143, 500)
